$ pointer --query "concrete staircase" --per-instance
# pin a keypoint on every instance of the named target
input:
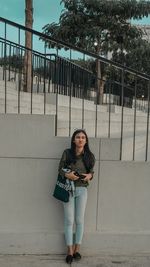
(23, 99)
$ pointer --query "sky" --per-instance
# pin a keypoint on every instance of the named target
(45, 11)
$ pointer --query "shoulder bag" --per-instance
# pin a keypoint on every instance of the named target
(62, 189)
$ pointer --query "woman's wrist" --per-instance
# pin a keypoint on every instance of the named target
(90, 176)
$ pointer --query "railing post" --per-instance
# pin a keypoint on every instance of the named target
(56, 92)
(50, 74)
(5, 78)
(9, 63)
(147, 130)
(19, 74)
(83, 93)
(134, 131)
(97, 94)
(122, 110)
(70, 98)
(44, 89)
(109, 105)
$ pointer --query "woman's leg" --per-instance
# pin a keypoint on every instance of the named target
(80, 205)
(68, 224)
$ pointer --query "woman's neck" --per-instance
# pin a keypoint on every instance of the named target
(79, 151)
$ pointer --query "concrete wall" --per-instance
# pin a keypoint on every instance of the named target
(31, 220)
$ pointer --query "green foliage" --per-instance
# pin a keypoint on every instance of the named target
(138, 56)
(14, 62)
(86, 21)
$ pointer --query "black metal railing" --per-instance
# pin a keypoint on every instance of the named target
(112, 104)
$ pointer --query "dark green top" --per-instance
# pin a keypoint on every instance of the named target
(78, 166)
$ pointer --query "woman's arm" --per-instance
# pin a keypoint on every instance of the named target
(88, 176)
(62, 169)
(62, 163)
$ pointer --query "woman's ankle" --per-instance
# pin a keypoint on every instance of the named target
(70, 250)
(76, 248)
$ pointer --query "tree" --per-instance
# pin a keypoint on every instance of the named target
(140, 52)
(28, 44)
(84, 22)
(12, 62)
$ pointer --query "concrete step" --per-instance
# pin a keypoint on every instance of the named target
(76, 110)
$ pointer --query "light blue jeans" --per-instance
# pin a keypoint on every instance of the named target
(74, 210)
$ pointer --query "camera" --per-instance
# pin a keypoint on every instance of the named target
(67, 170)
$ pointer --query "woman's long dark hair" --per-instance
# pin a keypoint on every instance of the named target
(88, 156)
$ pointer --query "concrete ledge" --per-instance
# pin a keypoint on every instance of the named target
(93, 243)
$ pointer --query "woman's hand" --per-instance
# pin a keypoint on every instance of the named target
(71, 176)
(88, 177)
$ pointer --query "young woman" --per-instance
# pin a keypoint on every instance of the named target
(80, 161)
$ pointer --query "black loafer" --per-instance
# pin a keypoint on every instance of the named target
(69, 259)
(77, 256)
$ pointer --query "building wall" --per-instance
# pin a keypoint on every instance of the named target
(31, 220)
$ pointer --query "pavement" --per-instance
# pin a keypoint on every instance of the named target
(142, 260)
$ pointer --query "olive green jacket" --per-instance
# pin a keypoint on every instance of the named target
(78, 166)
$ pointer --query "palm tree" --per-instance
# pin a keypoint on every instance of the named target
(28, 45)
